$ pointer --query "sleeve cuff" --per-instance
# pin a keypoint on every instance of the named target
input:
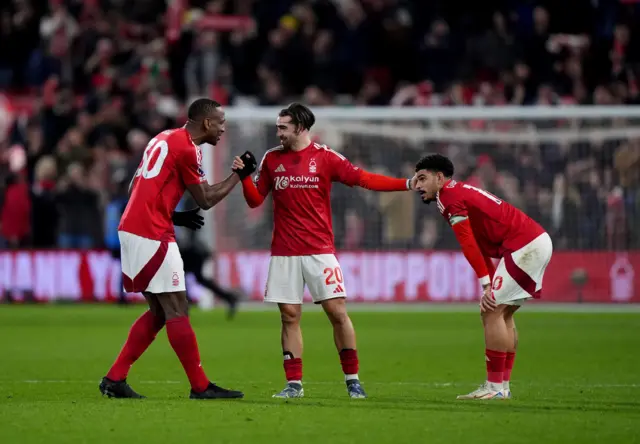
(485, 280)
(408, 184)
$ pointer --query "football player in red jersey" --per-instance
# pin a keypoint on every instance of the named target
(489, 228)
(299, 175)
(151, 261)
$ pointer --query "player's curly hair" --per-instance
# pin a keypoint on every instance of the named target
(202, 108)
(436, 163)
(301, 116)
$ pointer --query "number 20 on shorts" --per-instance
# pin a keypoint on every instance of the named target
(333, 276)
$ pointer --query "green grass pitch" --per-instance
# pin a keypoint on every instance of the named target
(576, 380)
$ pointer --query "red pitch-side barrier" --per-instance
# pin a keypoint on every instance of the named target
(437, 276)
(431, 276)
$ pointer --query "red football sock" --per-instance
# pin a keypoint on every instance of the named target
(349, 361)
(495, 365)
(508, 366)
(292, 367)
(141, 335)
(184, 343)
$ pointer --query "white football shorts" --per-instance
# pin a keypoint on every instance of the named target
(518, 276)
(149, 265)
(289, 274)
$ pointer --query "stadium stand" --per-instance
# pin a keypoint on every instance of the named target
(85, 83)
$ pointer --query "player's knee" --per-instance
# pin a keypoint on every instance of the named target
(336, 311)
(290, 315)
(338, 317)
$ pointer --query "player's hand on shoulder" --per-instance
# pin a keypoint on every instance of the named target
(244, 165)
(189, 219)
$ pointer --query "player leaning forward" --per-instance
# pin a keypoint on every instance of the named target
(488, 227)
(299, 174)
(151, 261)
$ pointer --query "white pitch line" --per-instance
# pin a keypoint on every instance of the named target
(461, 307)
(402, 383)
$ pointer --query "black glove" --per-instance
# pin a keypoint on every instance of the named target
(189, 219)
(250, 165)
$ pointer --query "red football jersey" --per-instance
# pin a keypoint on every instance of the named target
(300, 182)
(170, 162)
(497, 226)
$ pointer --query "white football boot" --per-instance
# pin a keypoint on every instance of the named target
(488, 390)
(291, 390)
(506, 390)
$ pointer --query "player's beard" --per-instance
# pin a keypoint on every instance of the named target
(427, 201)
(286, 143)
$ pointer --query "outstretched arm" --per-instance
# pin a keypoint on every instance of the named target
(378, 182)
(345, 172)
(207, 196)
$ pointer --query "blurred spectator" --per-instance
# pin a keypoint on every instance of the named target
(113, 211)
(16, 208)
(384, 46)
(95, 80)
(19, 23)
(438, 55)
(495, 51)
(44, 216)
(78, 208)
(564, 217)
(202, 65)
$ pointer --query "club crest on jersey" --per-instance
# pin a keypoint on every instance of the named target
(497, 283)
(175, 280)
(312, 166)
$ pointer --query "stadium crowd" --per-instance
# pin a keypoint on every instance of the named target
(92, 80)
